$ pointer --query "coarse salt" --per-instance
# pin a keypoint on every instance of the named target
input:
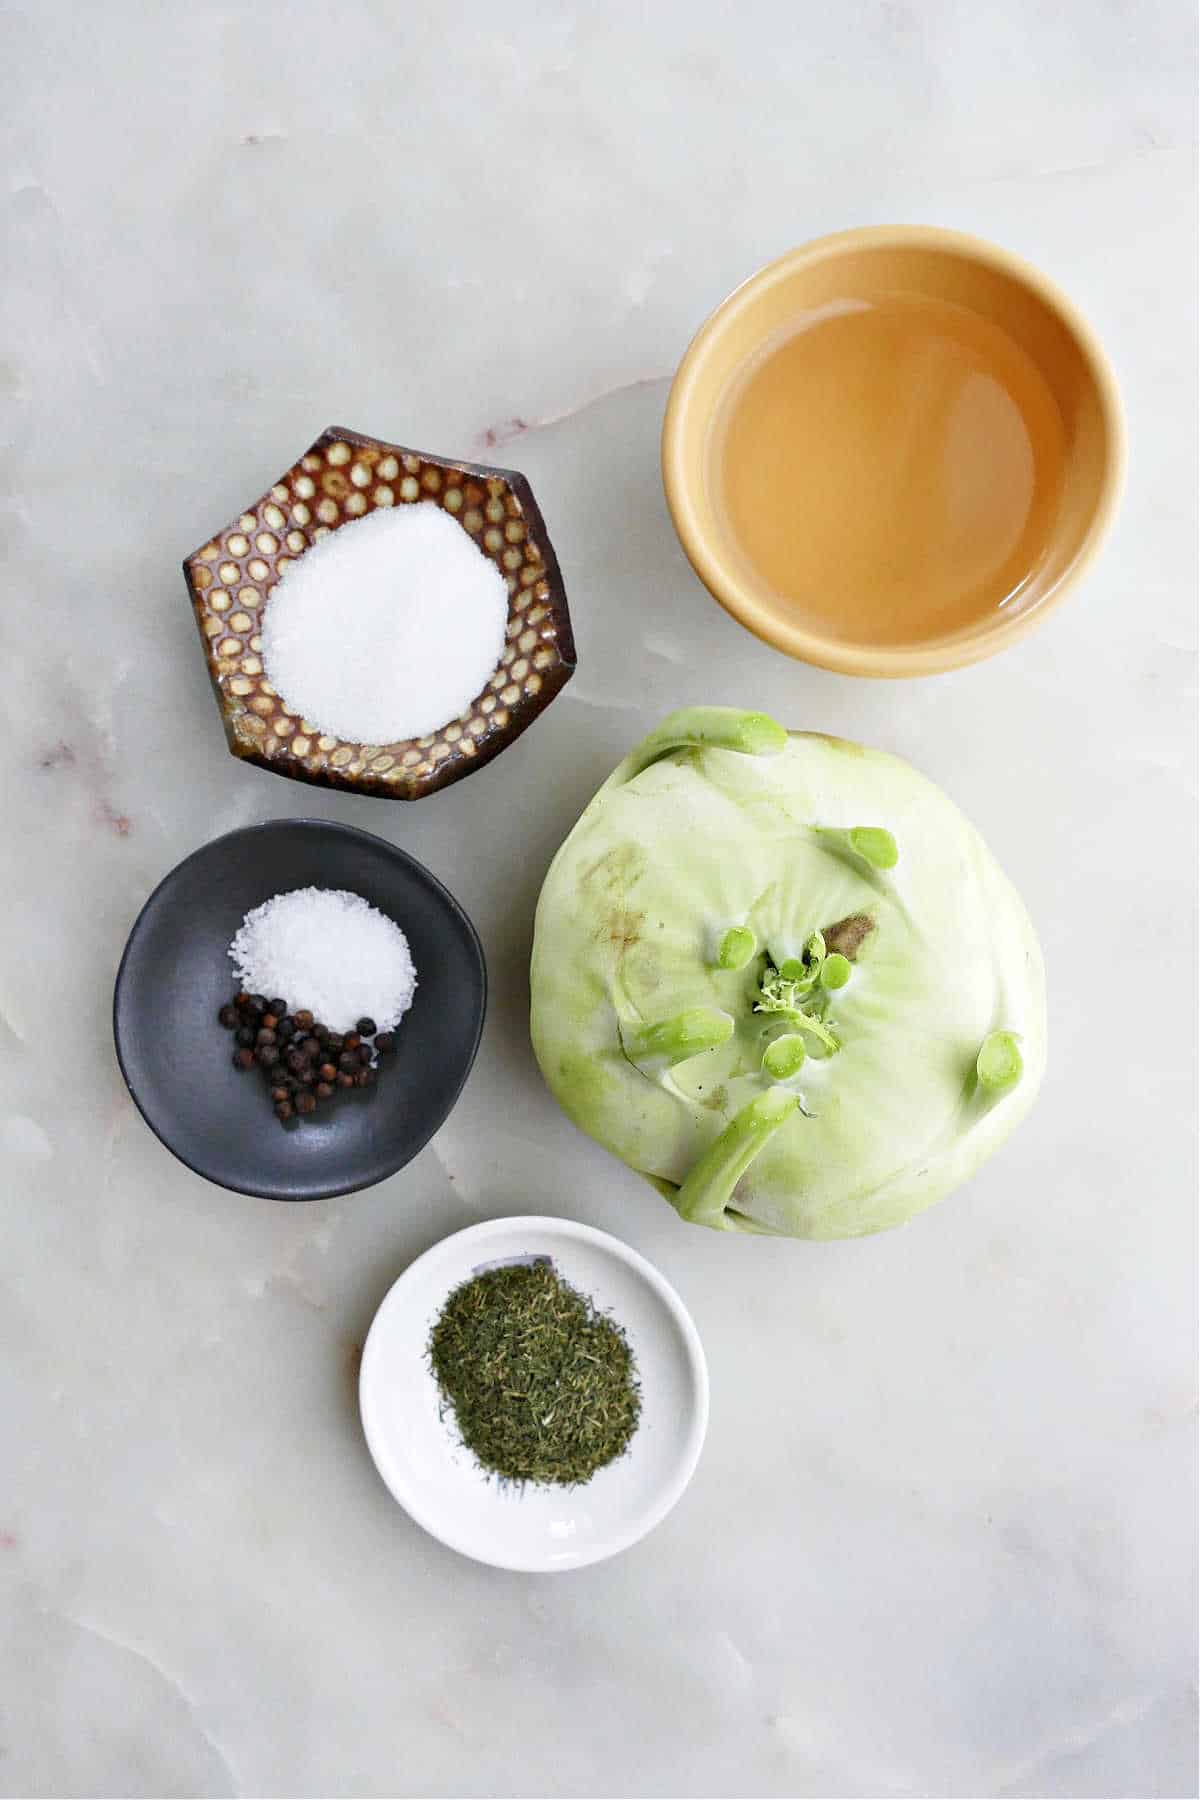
(388, 628)
(330, 951)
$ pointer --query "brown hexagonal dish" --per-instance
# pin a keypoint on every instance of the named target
(343, 476)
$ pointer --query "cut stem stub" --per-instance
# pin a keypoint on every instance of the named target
(736, 947)
(785, 1056)
(999, 1064)
(669, 1041)
(710, 1183)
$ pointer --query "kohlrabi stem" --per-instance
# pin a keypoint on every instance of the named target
(736, 947)
(712, 727)
(822, 1033)
(784, 1057)
(872, 843)
(999, 1064)
(671, 1041)
(805, 968)
(709, 1186)
(835, 971)
(786, 1000)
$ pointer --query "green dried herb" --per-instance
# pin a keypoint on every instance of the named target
(543, 1386)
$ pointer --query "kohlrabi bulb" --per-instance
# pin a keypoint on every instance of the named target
(783, 978)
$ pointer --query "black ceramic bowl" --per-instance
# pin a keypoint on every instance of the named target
(177, 1059)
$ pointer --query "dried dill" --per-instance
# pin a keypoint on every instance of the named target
(543, 1386)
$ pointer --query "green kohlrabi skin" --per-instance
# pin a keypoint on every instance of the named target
(651, 1021)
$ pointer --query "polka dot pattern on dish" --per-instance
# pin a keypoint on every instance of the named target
(342, 477)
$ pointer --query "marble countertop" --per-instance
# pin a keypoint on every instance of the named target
(941, 1541)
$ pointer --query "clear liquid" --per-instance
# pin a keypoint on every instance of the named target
(892, 469)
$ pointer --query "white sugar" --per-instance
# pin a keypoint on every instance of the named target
(388, 628)
(329, 951)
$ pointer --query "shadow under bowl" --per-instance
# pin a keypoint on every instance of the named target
(175, 975)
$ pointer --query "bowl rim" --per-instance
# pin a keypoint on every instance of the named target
(334, 1189)
(720, 575)
(671, 1491)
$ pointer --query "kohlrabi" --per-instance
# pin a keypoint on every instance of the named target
(783, 978)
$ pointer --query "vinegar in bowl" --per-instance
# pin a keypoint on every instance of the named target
(891, 468)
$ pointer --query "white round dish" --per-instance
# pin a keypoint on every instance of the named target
(436, 1478)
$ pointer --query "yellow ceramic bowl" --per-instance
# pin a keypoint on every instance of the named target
(868, 265)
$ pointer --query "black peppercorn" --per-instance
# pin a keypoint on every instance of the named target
(385, 1042)
(303, 1063)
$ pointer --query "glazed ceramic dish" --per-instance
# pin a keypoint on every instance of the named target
(175, 975)
(342, 477)
(855, 270)
(437, 1480)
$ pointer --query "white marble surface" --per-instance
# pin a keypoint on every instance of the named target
(941, 1541)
